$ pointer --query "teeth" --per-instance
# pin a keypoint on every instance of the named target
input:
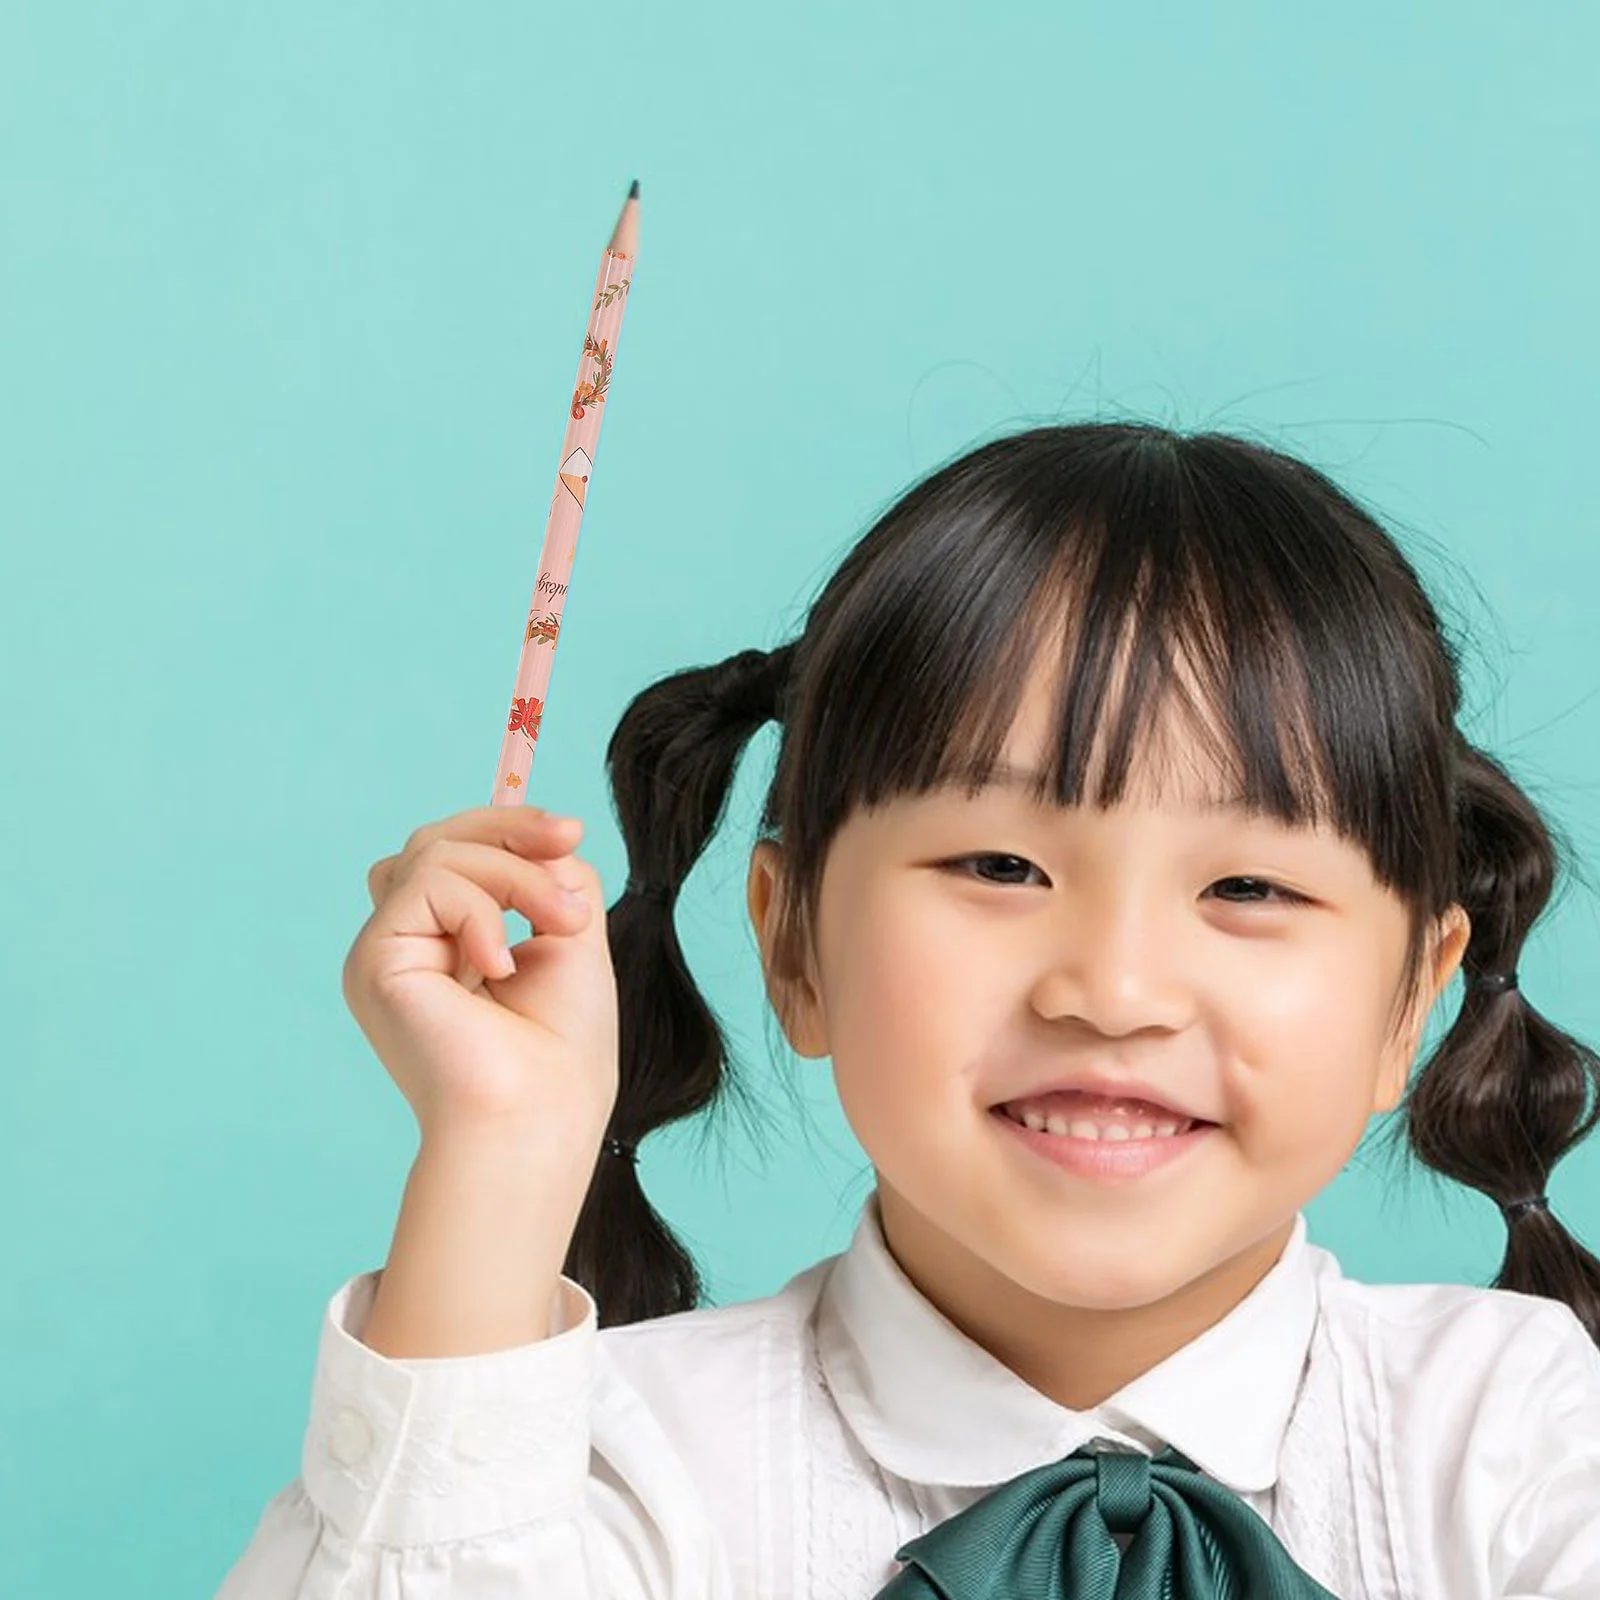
(1087, 1128)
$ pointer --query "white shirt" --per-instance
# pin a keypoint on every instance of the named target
(1404, 1441)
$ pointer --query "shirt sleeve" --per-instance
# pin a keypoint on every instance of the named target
(461, 1478)
(1548, 1543)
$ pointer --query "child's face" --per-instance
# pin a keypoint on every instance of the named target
(941, 989)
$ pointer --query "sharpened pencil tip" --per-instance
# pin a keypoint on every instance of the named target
(633, 192)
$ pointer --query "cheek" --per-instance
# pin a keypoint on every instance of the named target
(1304, 1049)
(897, 969)
(905, 1010)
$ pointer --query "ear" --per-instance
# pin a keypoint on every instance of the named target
(1448, 943)
(795, 994)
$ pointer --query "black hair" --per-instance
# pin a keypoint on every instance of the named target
(1331, 692)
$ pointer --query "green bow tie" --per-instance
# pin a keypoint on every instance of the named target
(1047, 1535)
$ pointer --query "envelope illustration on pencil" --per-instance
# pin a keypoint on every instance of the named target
(575, 474)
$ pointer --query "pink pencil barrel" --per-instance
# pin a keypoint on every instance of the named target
(530, 694)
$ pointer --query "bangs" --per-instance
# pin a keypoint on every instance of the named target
(1164, 580)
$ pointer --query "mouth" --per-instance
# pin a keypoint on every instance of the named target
(1144, 1123)
(1113, 1149)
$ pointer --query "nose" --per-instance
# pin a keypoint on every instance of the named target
(1118, 968)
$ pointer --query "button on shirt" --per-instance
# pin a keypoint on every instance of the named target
(1404, 1441)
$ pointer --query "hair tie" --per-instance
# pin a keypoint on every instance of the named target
(615, 1147)
(756, 693)
(1515, 1208)
(649, 891)
(1495, 982)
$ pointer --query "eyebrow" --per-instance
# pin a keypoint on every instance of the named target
(1027, 782)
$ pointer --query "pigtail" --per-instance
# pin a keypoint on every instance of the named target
(1507, 1094)
(671, 762)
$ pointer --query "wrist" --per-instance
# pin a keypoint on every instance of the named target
(505, 1149)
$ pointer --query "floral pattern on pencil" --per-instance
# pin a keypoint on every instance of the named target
(525, 716)
(592, 391)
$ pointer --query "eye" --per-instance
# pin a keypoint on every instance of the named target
(1258, 891)
(1013, 861)
(1268, 888)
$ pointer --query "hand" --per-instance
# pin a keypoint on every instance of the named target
(533, 1053)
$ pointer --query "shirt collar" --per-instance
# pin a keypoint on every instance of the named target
(934, 1407)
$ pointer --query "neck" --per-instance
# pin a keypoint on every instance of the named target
(1075, 1355)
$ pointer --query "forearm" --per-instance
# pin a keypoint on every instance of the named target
(478, 1246)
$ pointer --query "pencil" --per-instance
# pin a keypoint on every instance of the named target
(530, 692)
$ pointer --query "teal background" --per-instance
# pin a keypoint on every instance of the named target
(291, 301)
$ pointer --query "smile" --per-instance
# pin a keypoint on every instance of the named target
(1130, 1153)
(1099, 1127)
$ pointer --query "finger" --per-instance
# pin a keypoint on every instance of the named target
(462, 889)
(378, 875)
(470, 920)
(526, 829)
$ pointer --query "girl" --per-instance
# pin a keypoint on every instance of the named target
(1120, 841)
